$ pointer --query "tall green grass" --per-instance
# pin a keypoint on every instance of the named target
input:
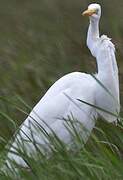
(100, 158)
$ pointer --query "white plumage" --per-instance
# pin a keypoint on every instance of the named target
(56, 105)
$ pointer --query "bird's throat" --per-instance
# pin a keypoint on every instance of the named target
(93, 35)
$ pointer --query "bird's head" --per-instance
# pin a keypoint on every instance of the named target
(93, 11)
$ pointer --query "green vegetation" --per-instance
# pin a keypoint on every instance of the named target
(40, 41)
(101, 158)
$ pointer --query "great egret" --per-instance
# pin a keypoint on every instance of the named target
(61, 100)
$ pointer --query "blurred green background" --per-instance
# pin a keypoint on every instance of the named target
(42, 40)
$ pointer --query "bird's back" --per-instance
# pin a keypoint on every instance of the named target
(57, 104)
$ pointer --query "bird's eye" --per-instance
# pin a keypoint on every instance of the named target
(97, 10)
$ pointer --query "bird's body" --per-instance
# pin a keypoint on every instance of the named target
(61, 100)
(55, 106)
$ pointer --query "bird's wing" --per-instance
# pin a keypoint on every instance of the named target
(63, 83)
(77, 112)
(59, 106)
(53, 112)
(48, 112)
(59, 102)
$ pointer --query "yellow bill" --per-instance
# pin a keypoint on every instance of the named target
(89, 12)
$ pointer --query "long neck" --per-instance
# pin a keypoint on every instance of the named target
(93, 35)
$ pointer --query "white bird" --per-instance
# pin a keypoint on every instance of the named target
(61, 100)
